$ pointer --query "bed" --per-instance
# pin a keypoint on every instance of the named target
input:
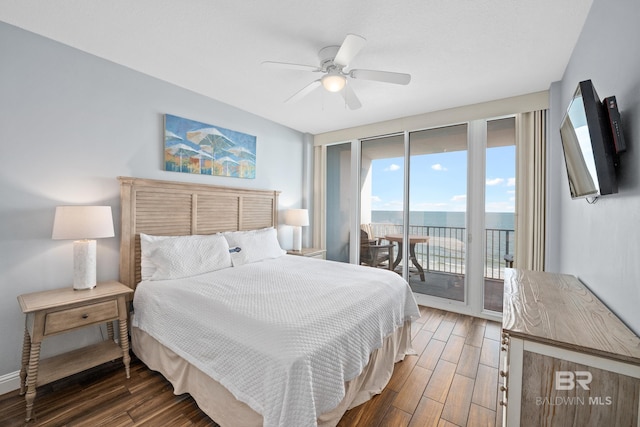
(258, 338)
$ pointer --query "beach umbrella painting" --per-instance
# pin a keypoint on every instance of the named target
(211, 137)
(242, 153)
(211, 140)
(169, 136)
(216, 150)
(245, 167)
(183, 151)
(202, 159)
(246, 160)
(226, 161)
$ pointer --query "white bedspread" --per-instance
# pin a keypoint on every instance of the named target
(281, 335)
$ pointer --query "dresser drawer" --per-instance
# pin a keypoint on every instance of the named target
(72, 318)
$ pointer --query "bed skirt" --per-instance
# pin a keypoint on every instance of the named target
(219, 404)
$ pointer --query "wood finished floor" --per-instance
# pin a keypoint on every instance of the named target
(452, 381)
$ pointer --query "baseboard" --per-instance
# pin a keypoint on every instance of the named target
(9, 382)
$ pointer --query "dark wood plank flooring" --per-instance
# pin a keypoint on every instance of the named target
(452, 381)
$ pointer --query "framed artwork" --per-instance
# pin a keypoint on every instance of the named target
(200, 148)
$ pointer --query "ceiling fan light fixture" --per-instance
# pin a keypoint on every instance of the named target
(334, 82)
(333, 62)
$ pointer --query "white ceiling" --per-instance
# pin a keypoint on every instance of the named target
(459, 52)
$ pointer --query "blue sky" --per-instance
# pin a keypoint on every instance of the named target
(439, 181)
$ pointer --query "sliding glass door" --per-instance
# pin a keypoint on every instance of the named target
(440, 200)
(434, 254)
(438, 207)
(381, 200)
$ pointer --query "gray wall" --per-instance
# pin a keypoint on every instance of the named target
(70, 123)
(600, 243)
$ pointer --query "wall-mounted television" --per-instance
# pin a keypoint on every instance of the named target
(588, 144)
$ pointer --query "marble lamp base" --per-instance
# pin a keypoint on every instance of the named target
(84, 264)
(297, 238)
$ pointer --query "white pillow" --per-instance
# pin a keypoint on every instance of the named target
(184, 256)
(147, 268)
(253, 245)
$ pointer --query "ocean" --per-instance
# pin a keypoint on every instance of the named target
(493, 220)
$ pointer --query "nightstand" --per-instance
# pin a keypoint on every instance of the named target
(62, 310)
(309, 252)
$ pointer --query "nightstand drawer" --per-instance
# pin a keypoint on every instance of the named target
(72, 318)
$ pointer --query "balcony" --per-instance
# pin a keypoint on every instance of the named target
(444, 261)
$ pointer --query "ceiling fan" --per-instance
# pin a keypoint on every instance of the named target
(334, 63)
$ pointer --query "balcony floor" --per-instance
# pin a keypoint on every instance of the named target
(451, 286)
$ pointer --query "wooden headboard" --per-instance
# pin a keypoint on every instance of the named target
(169, 208)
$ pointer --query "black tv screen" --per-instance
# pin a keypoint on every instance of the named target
(587, 143)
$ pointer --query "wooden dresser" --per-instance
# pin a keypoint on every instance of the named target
(567, 360)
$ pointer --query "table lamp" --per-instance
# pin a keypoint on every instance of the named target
(298, 218)
(83, 224)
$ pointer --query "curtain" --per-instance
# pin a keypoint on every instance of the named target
(531, 140)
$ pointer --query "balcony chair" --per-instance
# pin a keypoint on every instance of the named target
(375, 254)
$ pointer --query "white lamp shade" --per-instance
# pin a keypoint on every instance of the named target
(297, 217)
(82, 222)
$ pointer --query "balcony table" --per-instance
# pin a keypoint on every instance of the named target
(413, 241)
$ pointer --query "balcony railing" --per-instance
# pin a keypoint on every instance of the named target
(446, 250)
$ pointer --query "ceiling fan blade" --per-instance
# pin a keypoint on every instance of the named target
(381, 76)
(350, 47)
(303, 92)
(350, 98)
(289, 66)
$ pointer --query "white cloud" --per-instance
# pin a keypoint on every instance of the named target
(438, 167)
(495, 181)
(459, 198)
(376, 199)
(392, 168)
(511, 182)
